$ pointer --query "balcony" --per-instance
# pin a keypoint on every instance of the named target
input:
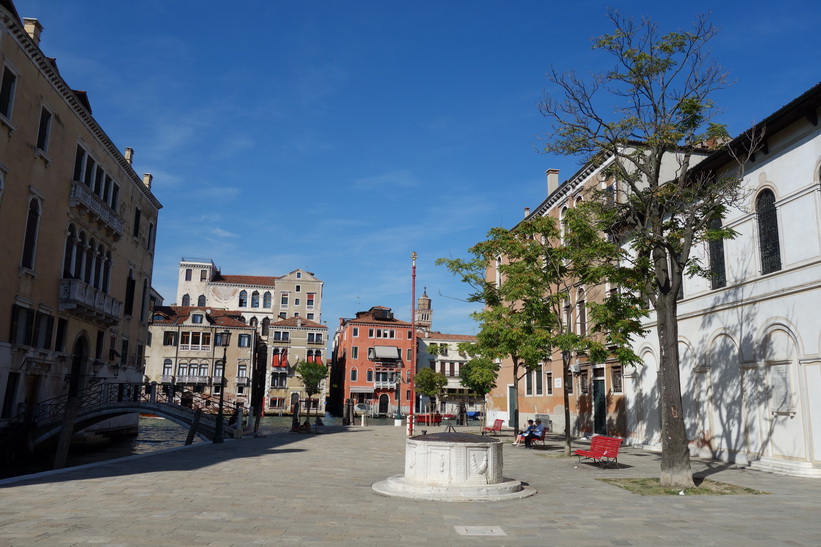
(243, 381)
(167, 379)
(193, 379)
(195, 347)
(384, 385)
(83, 300)
(316, 342)
(88, 202)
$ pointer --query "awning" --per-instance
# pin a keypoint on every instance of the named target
(384, 353)
(361, 389)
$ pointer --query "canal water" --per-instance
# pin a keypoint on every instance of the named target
(155, 434)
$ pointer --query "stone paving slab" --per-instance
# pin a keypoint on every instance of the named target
(297, 489)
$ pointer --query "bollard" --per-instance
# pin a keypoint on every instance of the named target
(363, 420)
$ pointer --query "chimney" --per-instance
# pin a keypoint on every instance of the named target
(147, 178)
(552, 180)
(33, 28)
(298, 321)
(129, 155)
(527, 212)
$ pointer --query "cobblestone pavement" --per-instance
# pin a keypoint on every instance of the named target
(316, 490)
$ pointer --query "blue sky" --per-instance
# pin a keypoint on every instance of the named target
(339, 137)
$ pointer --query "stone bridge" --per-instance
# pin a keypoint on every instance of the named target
(94, 404)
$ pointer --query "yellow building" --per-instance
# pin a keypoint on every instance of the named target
(78, 231)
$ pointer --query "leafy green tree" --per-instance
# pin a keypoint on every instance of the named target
(479, 374)
(648, 121)
(429, 383)
(525, 313)
(311, 375)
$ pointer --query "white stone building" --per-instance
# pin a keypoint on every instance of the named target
(750, 337)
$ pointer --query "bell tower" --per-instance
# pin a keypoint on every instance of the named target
(424, 313)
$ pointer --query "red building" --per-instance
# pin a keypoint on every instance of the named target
(371, 361)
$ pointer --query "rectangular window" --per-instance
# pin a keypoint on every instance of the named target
(196, 318)
(296, 302)
(124, 353)
(369, 375)
(355, 352)
(7, 92)
(203, 275)
(242, 371)
(615, 373)
(548, 380)
(583, 383)
(115, 196)
(310, 300)
(298, 288)
(409, 355)
(150, 244)
(355, 332)
(79, 163)
(245, 340)
(169, 338)
(568, 381)
(98, 350)
(353, 375)
(44, 129)
(137, 217)
(539, 377)
(60, 342)
(529, 383)
(283, 300)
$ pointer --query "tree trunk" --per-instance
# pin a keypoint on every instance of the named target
(515, 397)
(675, 453)
(567, 438)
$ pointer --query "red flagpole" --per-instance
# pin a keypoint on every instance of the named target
(413, 347)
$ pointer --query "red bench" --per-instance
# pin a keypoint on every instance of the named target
(603, 449)
(496, 428)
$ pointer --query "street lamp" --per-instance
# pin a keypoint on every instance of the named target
(224, 339)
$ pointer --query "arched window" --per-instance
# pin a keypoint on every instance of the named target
(144, 300)
(186, 300)
(255, 299)
(88, 274)
(318, 356)
(99, 258)
(266, 323)
(581, 313)
(768, 232)
(130, 287)
(70, 253)
(353, 375)
(718, 277)
(80, 259)
(254, 322)
(30, 240)
(243, 299)
(266, 299)
(201, 300)
(562, 224)
(167, 367)
(107, 272)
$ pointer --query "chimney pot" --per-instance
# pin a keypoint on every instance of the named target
(527, 212)
(147, 178)
(33, 28)
(129, 155)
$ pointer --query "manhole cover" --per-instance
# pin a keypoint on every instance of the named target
(479, 531)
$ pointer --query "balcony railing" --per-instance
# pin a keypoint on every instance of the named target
(316, 342)
(80, 298)
(243, 381)
(82, 196)
(193, 379)
(167, 379)
(384, 385)
(195, 347)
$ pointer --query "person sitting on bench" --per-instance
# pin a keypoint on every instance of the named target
(535, 433)
(523, 434)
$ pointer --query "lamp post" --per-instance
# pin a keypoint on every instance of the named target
(412, 370)
(225, 338)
